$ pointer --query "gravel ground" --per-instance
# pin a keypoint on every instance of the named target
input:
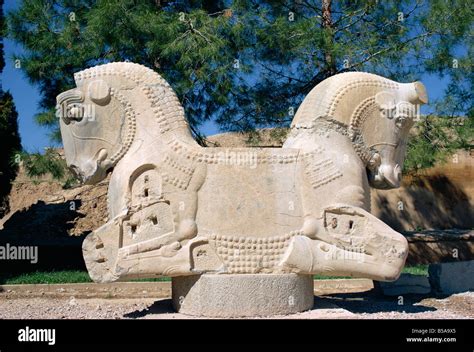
(340, 306)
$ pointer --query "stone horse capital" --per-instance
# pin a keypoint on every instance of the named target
(179, 209)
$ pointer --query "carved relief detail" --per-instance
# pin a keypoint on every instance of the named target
(321, 172)
(250, 254)
(356, 84)
(130, 125)
(156, 227)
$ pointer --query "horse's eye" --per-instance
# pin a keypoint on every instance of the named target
(400, 120)
(75, 112)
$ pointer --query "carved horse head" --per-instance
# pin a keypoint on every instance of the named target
(114, 106)
(375, 113)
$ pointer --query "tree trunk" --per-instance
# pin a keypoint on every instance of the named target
(327, 24)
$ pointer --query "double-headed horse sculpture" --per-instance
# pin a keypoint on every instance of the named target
(178, 209)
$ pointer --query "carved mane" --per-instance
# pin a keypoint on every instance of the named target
(163, 101)
(332, 99)
(345, 101)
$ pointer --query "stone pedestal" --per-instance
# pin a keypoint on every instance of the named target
(406, 284)
(242, 295)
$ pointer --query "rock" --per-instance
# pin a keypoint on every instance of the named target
(454, 277)
(406, 284)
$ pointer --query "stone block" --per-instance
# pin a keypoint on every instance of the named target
(455, 277)
(406, 284)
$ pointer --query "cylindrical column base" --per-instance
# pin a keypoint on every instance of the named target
(242, 295)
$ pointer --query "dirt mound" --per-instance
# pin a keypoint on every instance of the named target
(42, 209)
(441, 197)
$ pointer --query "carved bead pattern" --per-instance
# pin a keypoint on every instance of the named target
(321, 172)
(322, 125)
(360, 113)
(338, 93)
(166, 106)
(213, 156)
(250, 254)
(176, 165)
(131, 125)
(374, 81)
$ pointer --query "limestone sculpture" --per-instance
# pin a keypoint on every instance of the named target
(248, 215)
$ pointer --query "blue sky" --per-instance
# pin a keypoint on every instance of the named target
(26, 96)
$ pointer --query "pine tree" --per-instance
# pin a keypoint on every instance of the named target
(8, 134)
(248, 64)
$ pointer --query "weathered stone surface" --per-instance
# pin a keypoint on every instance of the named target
(455, 277)
(406, 284)
(330, 286)
(242, 295)
(178, 209)
(378, 252)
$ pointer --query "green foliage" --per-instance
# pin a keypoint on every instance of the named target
(279, 134)
(8, 132)
(75, 276)
(190, 50)
(246, 65)
(58, 277)
(2, 34)
(70, 181)
(54, 277)
(37, 164)
(49, 119)
(10, 147)
(421, 154)
(420, 269)
(51, 163)
(436, 138)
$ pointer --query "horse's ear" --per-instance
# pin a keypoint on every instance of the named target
(385, 100)
(99, 92)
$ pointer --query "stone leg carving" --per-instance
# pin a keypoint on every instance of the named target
(106, 262)
(350, 242)
(184, 209)
(184, 228)
(169, 260)
(100, 251)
